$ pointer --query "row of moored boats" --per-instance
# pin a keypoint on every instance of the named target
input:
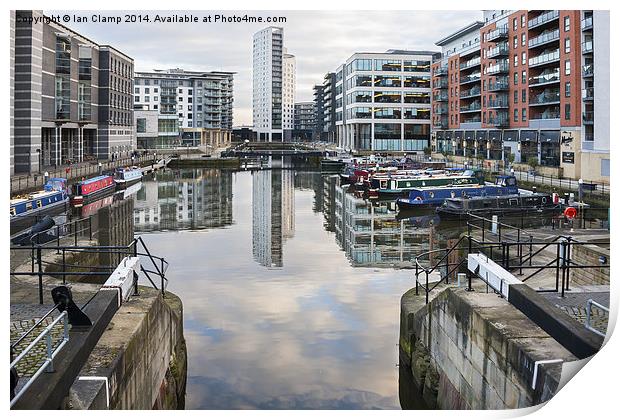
(453, 192)
(57, 192)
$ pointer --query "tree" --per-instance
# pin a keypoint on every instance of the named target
(532, 161)
(511, 158)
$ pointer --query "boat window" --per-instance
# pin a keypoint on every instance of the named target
(29, 205)
(13, 213)
(431, 194)
(39, 203)
(544, 200)
(513, 202)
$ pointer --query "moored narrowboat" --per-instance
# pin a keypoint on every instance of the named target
(433, 197)
(127, 176)
(385, 187)
(53, 196)
(513, 203)
(92, 188)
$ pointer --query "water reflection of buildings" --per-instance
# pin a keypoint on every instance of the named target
(273, 214)
(330, 183)
(370, 234)
(185, 199)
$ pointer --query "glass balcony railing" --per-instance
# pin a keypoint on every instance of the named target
(470, 63)
(498, 68)
(587, 46)
(545, 78)
(586, 23)
(499, 85)
(498, 51)
(473, 107)
(498, 103)
(499, 33)
(588, 94)
(474, 119)
(551, 114)
(441, 71)
(440, 83)
(440, 123)
(499, 120)
(440, 98)
(587, 70)
(543, 18)
(545, 97)
(544, 38)
(470, 93)
(441, 111)
(471, 78)
(548, 57)
(588, 117)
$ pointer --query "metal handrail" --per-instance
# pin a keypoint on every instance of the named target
(48, 364)
(589, 305)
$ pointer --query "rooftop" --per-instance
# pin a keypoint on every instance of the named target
(475, 26)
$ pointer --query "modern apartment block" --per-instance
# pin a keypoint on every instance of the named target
(329, 108)
(383, 101)
(273, 86)
(193, 108)
(520, 86)
(71, 96)
(304, 121)
(317, 131)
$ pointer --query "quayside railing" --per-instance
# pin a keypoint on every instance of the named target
(153, 267)
(511, 247)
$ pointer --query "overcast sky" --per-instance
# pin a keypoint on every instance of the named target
(321, 41)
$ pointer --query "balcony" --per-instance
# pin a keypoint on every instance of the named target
(499, 33)
(470, 93)
(501, 50)
(499, 68)
(440, 97)
(543, 19)
(470, 63)
(473, 107)
(588, 117)
(586, 23)
(474, 119)
(440, 123)
(544, 38)
(547, 114)
(498, 103)
(587, 46)
(441, 111)
(587, 70)
(471, 78)
(545, 58)
(441, 71)
(546, 97)
(499, 120)
(587, 94)
(500, 84)
(441, 83)
(588, 136)
(545, 78)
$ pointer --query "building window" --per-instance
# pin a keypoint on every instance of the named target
(141, 125)
(136, 99)
(515, 42)
(516, 60)
(566, 23)
(523, 114)
(567, 112)
(516, 78)
(147, 99)
(516, 96)
(567, 45)
(523, 39)
(523, 77)
(523, 57)
(516, 115)
(523, 21)
(514, 24)
(567, 67)
(137, 90)
(567, 90)
(147, 91)
(523, 95)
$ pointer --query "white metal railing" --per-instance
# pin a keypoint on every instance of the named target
(50, 351)
(589, 326)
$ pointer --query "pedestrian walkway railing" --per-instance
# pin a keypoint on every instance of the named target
(51, 346)
(517, 251)
(589, 326)
(65, 263)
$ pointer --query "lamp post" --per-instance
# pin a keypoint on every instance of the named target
(580, 189)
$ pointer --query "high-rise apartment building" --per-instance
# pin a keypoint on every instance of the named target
(383, 101)
(520, 86)
(329, 107)
(317, 131)
(304, 121)
(71, 96)
(193, 108)
(273, 86)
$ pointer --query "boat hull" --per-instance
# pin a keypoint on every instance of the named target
(79, 200)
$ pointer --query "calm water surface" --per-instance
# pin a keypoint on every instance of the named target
(285, 304)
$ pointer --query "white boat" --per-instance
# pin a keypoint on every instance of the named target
(127, 176)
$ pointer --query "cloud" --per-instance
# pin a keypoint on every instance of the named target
(321, 41)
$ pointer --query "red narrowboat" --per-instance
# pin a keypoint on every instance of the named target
(93, 187)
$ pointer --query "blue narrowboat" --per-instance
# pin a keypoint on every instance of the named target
(53, 195)
(433, 197)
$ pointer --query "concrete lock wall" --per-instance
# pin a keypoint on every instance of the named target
(590, 255)
(142, 355)
(475, 351)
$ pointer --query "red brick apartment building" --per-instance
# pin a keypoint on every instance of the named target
(527, 83)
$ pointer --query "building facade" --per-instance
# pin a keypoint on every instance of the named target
(383, 101)
(273, 86)
(519, 86)
(317, 132)
(194, 108)
(304, 121)
(70, 96)
(329, 108)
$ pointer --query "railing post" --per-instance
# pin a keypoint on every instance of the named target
(557, 268)
(568, 262)
(469, 288)
(163, 291)
(530, 250)
(58, 239)
(64, 268)
(416, 279)
(48, 351)
(40, 273)
(90, 228)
